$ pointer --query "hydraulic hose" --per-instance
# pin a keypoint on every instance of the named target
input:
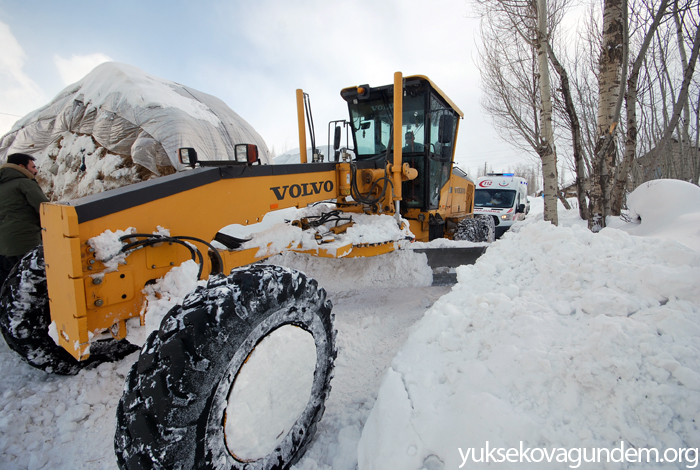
(153, 239)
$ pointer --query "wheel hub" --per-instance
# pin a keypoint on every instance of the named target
(269, 393)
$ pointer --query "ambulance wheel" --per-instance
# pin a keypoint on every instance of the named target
(236, 377)
(25, 320)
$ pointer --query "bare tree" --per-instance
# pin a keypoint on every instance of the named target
(575, 127)
(681, 102)
(659, 135)
(623, 169)
(610, 88)
(515, 76)
(546, 150)
(667, 99)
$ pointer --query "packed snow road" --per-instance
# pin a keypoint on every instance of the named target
(56, 422)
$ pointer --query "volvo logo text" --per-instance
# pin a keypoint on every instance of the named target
(304, 189)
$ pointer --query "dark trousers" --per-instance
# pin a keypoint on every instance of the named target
(6, 265)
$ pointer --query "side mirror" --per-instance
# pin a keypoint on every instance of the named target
(246, 153)
(336, 138)
(187, 156)
(336, 142)
(446, 129)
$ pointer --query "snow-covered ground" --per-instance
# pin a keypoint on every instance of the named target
(555, 339)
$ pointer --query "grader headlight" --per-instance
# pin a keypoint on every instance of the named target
(246, 153)
(187, 156)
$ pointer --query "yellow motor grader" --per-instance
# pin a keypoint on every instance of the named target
(236, 376)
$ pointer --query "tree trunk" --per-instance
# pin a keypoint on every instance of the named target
(684, 132)
(575, 135)
(620, 183)
(609, 81)
(547, 150)
(618, 190)
(696, 149)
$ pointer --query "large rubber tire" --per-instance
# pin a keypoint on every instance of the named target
(480, 228)
(173, 409)
(25, 320)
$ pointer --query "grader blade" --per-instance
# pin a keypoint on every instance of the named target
(441, 259)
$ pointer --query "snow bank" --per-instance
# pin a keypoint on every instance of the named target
(667, 209)
(555, 338)
(58, 422)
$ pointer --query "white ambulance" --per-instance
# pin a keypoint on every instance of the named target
(503, 196)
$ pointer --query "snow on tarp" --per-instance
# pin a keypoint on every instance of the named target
(119, 110)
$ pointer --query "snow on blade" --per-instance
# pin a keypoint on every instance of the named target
(275, 234)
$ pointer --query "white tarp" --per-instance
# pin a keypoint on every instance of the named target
(130, 112)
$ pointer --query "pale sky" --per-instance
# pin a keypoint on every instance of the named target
(253, 55)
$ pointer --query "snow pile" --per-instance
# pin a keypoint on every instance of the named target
(161, 297)
(75, 166)
(57, 422)
(668, 209)
(88, 138)
(555, 338)
(108, 246)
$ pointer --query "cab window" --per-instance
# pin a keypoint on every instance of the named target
(371, 122)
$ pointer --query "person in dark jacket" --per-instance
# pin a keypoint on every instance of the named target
(20, 199)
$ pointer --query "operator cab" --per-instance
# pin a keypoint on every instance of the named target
(429, 129)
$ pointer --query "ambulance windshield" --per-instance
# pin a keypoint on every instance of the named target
(497, 198)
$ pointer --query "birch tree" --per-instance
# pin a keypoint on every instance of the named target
(660, 95)
(610, 83)
(547, 150)
(516, 80)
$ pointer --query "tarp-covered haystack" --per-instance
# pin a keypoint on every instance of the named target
(119, 125)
